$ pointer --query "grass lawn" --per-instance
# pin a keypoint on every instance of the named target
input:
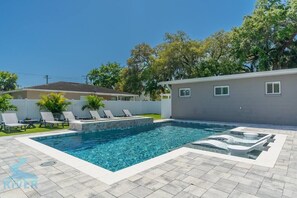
(155, 116)
(31, 130)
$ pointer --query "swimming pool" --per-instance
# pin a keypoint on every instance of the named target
(120, 148)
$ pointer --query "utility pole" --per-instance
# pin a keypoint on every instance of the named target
(86, 79)
(46, 79)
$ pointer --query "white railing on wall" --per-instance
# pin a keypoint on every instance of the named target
(27, 108)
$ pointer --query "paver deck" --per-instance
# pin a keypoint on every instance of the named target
(189, 175)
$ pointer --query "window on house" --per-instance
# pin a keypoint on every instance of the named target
(184, 92)
(221, 90)
(273, 88)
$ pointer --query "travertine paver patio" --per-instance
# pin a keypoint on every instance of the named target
(189, 175)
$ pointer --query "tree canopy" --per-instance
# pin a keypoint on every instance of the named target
(136, 75)
(266, 40)
(8, 81)
(107, 75)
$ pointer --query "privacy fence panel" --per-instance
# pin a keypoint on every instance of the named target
(27, 108)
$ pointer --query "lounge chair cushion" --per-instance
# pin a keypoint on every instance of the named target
(233, 149)
(108, 113)
(233, 139)
(95, 115)
(16, 125)
(47, 116)
(127, 113)
(68, 115)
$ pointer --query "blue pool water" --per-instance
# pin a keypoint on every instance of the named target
(120, 148)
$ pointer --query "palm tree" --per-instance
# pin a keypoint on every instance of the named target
(53, 102)
(93, 103)
(5, 103)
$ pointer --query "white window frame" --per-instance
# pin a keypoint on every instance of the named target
(221, 87)
(273, 83)
(185, 89)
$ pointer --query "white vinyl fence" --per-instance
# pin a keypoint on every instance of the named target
(166, 106)
(27, 108)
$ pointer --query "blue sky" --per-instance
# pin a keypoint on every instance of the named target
(67, 38)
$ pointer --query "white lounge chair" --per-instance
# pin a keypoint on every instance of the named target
(233, 149)
(95, 115)
(238, 149)
(233, 139)
(10, 120)
(69, 117)
(127, 113)
(48, 119)
(108, 114)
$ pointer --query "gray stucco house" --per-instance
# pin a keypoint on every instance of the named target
(260, 97)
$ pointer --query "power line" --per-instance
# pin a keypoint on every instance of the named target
(51, 76)
(28, 74)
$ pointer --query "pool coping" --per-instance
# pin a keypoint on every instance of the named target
(266, 158)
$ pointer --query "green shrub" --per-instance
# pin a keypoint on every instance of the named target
(5, 104)
(93, 103)
(53, 102)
